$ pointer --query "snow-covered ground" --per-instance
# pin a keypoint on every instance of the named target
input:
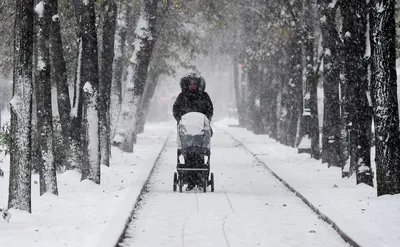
(367, 219)
(84, 213)
(248, 208)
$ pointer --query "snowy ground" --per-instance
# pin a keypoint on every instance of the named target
(84, 211)
(367, 219)
(248, 208)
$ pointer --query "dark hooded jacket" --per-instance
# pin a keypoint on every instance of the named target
(198, 101)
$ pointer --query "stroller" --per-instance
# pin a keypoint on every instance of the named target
(193, 156)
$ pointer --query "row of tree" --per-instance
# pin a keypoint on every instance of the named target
(114, 68)
(288, 48)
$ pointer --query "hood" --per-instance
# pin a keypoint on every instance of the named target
(193, 76)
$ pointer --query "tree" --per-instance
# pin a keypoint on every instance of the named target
(107, 57)
(59, 78)
(21, 108)
(47, 167)
(359, 118)
(311, 69)
(145, 38)
(126, 14)
(87, 88)
(331, 133)
(383, 93)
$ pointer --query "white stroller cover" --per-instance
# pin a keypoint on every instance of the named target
(194, 129)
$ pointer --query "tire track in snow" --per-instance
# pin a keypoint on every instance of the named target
(224, 231)
(348, 239)
(229, 201)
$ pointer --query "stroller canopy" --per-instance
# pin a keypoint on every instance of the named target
(194, 129)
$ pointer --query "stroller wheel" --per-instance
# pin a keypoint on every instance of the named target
(212, 182)
(180, 185)
(175, 181)
(205, 185)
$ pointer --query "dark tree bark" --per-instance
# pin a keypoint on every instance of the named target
(147, 96)
(331, 133)
(253, 103)
(107, 57)
(77, 104)
(47, 167)
(295, 90)
(238, 95)
(21, 108)
(311, 78)
(88, 73)
(145, 38)
(123, 17)
(384, 97)
(354, 29)
(59, 78)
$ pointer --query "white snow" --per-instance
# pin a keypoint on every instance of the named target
(87, 88)
(354, 208)
(248, 208)
(84, 214)
(74, 109)
(39, 9)
(380, 7)
(332, 4)
(141, 32)
(41, 65)
(194, 123)
(55, 17)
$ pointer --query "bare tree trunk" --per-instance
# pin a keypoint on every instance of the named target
(88, 73)
(47, 167)
(331, 134)
(145, 38)
(147, 96)
(354, 27)
(295, 90)
(118, 64)
(311, 74)
(76, 110)
(107, 57)
(384, 97)
(21, 108)
(59, 77)
(235, 64)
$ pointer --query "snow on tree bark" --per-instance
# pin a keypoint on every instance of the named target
(311, 66)
(253, 104)
(384, 97)
(88, 73)
(21, 108)
(145, 103)
(59, 78)
(331, 133)
(47, 167)
(118, 64)
(91, 145)
(107, 57)
(359, 113)
(145, 37)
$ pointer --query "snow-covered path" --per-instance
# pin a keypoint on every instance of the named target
(248, 208)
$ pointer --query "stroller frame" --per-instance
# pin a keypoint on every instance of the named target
(200, 170)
